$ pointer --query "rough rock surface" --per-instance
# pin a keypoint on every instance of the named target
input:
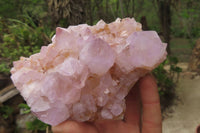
(194, 64)
(87, 71)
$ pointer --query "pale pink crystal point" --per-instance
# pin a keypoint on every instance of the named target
(87, 71)
(94, 54)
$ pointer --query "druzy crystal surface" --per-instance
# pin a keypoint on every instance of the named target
(87, 71)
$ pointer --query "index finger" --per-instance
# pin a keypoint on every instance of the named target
(74, 127)
(151, 117)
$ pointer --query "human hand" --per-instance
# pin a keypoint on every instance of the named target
(147, 120)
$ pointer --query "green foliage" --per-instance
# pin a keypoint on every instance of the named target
(164, 81)
(167, 80)
(21, 30)
(195, 32)
(7, 9)
(174, 69)
(14, 8)
(25, 107)
(177, 32)
(36, 125)
(4, 67)
(6, 111)
(185, 19)
(21, 39)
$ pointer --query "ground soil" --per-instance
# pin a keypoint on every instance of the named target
(184, 116)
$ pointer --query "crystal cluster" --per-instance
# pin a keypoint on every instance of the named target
(87, 71)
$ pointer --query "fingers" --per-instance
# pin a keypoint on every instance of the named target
(109, 126)
(151, 118)
(74, 127)
(132, 114)
(114, 126)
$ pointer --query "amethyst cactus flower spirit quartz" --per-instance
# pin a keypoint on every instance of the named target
(87, 71)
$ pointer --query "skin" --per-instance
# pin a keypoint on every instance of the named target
(143, 114)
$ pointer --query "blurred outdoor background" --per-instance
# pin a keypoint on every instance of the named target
(26, 25)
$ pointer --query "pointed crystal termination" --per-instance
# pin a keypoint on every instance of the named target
(87, 71)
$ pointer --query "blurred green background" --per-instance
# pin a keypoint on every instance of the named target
(26, 25)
